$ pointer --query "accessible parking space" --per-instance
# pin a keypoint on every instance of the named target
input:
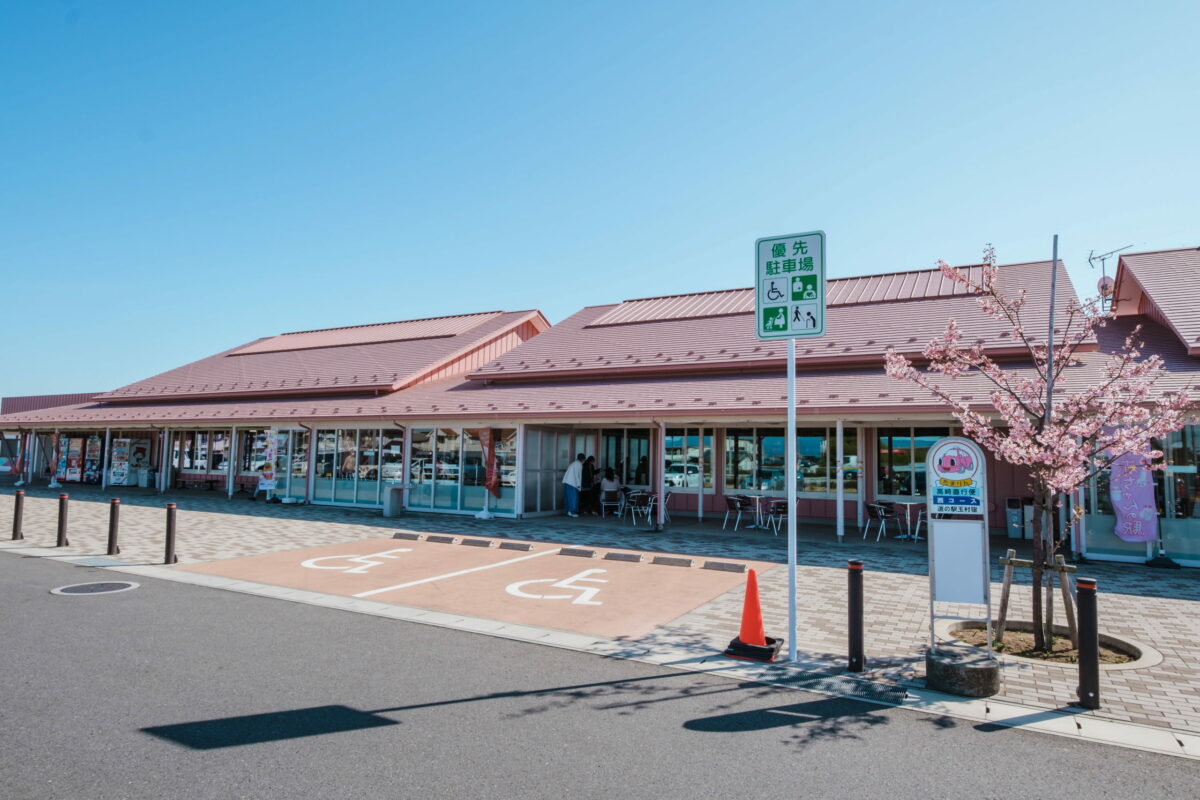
(605, 593)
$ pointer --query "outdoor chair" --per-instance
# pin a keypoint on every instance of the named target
(667, 506)
(739, 505)
(640, 503)
(777, 511)
(879, 515)
(612, 500)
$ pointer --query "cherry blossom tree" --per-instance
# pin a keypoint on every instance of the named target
(1115, 412)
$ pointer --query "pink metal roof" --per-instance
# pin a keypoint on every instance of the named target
(1163, 287)
(32, 402)
(433, 328)
(886, 288)
(905, 310)
(820, 392)
(336, 368)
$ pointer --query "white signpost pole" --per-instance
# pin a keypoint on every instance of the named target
(789, 287)
(791, 496)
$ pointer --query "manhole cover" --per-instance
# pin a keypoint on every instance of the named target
(99, 587)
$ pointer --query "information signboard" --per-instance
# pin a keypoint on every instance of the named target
(790, 285)
(955, 475)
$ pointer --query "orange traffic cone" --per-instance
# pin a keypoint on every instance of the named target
(752, 642)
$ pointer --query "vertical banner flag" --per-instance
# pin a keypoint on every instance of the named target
(1131, 489)
(487, 442)
(266, 477)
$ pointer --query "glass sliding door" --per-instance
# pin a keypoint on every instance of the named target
(367, 491)
(446, 469)
(291, 464)
(420, 469)
(347, 463)
(326, 466)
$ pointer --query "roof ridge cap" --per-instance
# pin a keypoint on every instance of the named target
(392, 322)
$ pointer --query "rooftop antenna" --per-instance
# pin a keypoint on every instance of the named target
(1105, 284)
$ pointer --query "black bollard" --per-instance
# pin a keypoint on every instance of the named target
(854, 575)
(18, 513)
(114, 522)
(170, 557)
(1089, 644)
(62, 522)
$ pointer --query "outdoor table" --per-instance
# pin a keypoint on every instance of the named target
(757, 525)
(908, 504)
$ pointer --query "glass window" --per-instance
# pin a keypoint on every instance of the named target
(392, 456)
(325, 465)
(740, 458)
(297, 466)
(900, 459)
(420, 469)
(367, 491)
(347, 464)
(253, 450)
(688, 459)
(813, 459)
(637, 458)
(447, 468)
(219, 451)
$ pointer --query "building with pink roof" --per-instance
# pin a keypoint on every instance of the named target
(676, 394)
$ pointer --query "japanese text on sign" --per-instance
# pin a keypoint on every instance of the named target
(790, 285)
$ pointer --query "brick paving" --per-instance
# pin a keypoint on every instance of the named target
(1158, 607)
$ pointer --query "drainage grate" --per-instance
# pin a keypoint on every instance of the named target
(99, 587)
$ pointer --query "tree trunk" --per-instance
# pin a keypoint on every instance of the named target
(1039, 559)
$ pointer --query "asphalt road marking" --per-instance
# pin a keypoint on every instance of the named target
(584, 598)
(456, 574)
(364, 562)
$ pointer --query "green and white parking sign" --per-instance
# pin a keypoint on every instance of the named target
(789, 276)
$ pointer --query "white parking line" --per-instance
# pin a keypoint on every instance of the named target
(456, 574)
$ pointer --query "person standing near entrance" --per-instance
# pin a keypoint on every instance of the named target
(589, 502)
(572, 481)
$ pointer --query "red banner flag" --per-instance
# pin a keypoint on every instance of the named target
(487, 443)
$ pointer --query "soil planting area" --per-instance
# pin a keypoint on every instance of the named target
(1020, 643)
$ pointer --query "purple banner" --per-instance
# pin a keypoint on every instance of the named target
(1132, 491)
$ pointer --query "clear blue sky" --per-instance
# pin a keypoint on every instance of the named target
(178, 178)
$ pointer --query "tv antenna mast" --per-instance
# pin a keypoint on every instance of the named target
(1105, 284)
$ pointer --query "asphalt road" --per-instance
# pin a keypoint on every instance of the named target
(176, 691)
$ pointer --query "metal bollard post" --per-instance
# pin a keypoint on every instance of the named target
(114, 522)
(18, 513)
(170, 557)
(62, 522)
(1089, 644)
(854, 575)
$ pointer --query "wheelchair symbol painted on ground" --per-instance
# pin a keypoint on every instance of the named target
(355, 565)
(583, 598)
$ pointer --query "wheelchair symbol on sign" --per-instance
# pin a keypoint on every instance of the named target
(357, 564)
(584, 598)
(774, 293)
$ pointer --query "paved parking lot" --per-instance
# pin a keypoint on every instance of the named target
(568, 589)
(1161, 608)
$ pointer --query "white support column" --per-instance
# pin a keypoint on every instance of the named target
(662, 476)
(519, 488)
(105, 461)
(230, 462)
(700, 485)
(862, 474)
(31, 445)
(841, 483)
